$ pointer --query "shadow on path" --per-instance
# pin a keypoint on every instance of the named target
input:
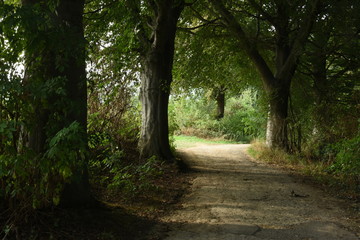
(233, 197)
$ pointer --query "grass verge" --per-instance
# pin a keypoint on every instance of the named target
(316, 172)
(183, 141)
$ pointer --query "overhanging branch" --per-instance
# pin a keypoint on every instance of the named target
(299, 42)
(250, 48)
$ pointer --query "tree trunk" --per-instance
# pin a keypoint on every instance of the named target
(39, 66)
(287, 52)
(155, 90)
(70, 13)
(220, 102)
(318, 63)
(156, 78)
(278, 88)
(276, 131)
(62, 57)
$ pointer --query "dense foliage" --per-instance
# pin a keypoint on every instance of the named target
(243, 121)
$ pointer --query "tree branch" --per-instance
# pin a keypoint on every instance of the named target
(140, 30)
(198, 15)
(208, 23)
(250, 48)
(257, 7)
(100, 8)
(299, 42)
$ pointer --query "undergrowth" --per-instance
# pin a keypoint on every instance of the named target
(130, 194)
(327, 173)
(127, 179)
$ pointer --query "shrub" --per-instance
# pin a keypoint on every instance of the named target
(135, 178)
(195, 116)
(347, 160)
(129, 179)
(30, 181)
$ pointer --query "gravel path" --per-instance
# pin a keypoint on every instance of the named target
(235, 197)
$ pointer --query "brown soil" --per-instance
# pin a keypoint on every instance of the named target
(235, 197)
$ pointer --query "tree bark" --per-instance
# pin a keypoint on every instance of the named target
(156, 78)
(66, 45)
(220, 102)
(38, 67)
(276, 131)
(70, 13)
(155, 90)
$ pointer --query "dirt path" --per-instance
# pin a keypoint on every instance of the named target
(234, 197)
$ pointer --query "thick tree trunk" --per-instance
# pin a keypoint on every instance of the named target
(39, 67)
(276, 131)
(321, 114)
(37, 135)
(70, 13)
(61, 57)
(156, 77)
(278, 89)
(155, 90)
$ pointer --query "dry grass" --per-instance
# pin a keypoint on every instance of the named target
(317, 172)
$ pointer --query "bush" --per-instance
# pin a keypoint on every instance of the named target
(136, 178)
(342, 175)
(193, 116)
(118, 175)
(32, 181)
(347, 160)
(113, 125)
(244, 119)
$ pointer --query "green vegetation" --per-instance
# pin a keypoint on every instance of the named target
(244, 118)
(182, 141)
(333, 173)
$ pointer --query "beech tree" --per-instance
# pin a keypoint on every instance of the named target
(57, 92)
(156, 30)
(288, 25)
